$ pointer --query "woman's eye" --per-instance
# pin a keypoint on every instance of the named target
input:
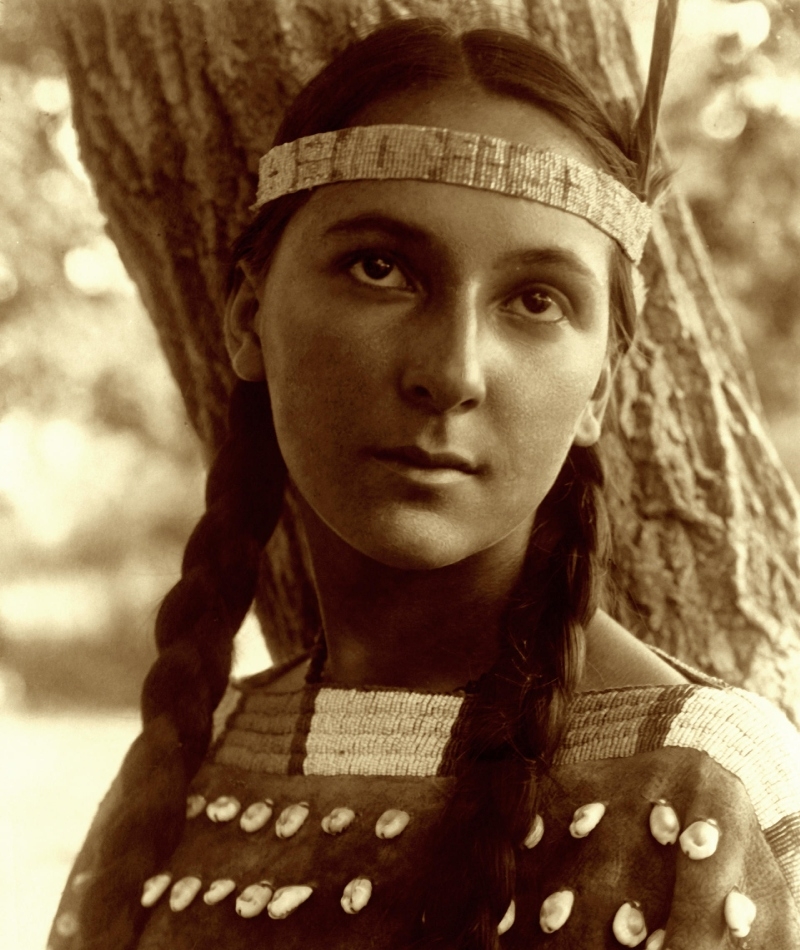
(538, 303)
(378, 271)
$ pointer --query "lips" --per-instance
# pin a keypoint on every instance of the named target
(417, 457)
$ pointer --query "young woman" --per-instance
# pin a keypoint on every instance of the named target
(426, 316)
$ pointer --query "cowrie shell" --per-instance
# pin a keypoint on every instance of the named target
(338, 821)
(287, 900)
(508, 919)
(218, 891)
(253, 899)
(195, 805)
(556, 910)
(224, 808)
(536, 833)
(356, 895)
(184, 892)
(291, 819)
(629, 927)
(80, 879)
(664, 824)
(255, 816)
(586, 819)
(66, 924)
(154, 887)
(656, 940)
(700, 839)
(740, 912)
(392, 823)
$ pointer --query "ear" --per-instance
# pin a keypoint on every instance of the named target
(241, 339)
(590, 423)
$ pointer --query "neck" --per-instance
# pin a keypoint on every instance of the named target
(418, 629)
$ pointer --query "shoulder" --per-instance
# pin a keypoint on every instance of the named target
(287, 677)
(615, 658)
(742, 732)
(711, 748)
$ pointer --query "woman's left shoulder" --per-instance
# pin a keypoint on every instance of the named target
(711, 769)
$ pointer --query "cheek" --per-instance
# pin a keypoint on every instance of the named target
(540, 411)
(322, 384)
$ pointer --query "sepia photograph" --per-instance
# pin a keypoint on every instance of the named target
(399, 470)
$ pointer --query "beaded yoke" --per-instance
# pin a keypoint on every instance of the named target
(671, 811)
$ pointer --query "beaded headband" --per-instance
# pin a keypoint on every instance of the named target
(457, 158)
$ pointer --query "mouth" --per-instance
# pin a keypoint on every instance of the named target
(411, 459)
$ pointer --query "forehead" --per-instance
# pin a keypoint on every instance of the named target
(468, 108)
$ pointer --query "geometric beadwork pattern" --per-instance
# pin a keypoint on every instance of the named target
(361, 732)
(453, 157)
(331, 730)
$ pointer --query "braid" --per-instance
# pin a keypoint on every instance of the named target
(518, 714)
(195, 627)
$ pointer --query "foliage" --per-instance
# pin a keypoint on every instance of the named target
(733, 125)
(100, 479)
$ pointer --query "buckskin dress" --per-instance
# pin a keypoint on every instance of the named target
(670, 818)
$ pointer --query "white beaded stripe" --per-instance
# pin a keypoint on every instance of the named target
(738, 730)
(740, 735)
(449, 156)
(355, 732)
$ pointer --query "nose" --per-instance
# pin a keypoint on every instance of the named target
(444, 370)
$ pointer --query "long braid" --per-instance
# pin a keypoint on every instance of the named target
(519, 714)
(195, 628)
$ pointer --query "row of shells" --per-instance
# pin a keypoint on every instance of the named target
(255, 898)
(698, 841)
(291, 819)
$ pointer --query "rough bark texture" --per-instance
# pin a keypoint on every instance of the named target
(175, 100)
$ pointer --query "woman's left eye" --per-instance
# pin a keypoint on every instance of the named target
(378, 270)
(538, 303)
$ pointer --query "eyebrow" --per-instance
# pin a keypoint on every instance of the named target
(554, 257)
(379, 222)
(550, 255)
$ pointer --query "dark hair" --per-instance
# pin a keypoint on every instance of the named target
(519, 707)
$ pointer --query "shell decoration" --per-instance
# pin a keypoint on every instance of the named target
(586, 819)
(740, 912)
(356, 895)
(195, 805)
(536, 833)
(291, 820)
(656, 940)
(664, 824)
(628, 926)
(218, 891)
(184, 892)
(556, 910)
(224, 808)
(255, 816)
(154, 887)
(287, 900)
(392, 823)
(700, 839)
(508, 919)
(338, 820)
(253, 899)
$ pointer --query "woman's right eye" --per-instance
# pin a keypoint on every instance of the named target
(377, 270)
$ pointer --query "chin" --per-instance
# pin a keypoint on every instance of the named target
(417, 546)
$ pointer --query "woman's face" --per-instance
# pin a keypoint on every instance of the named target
(433, 351)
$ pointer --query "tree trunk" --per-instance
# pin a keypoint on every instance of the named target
(175, 100)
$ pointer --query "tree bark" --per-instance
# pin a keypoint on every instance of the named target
(174, 102)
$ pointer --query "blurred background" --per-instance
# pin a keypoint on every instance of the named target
(101, 478)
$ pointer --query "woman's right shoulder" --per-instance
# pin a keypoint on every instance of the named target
(288, 677)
